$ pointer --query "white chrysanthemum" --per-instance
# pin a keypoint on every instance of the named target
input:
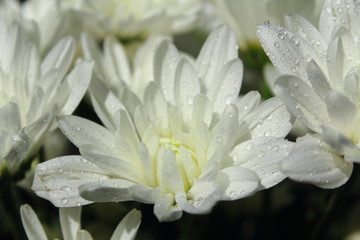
(320, 85)
(244, 15)
(43, 21)
(136, 18)
(71, 225)
(33, 92)
(187, 142)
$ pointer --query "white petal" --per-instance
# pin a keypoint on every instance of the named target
(59, 56)
(57, 180)
(312, 161)
(226, 130)
(165, 210)
(111, 190)
(271, 118)
(308, 32)
(342, 112)
(219, 48)
(145, 194)
(247, 103)
(318, 80)
(338, 141)
(351, 85)
(302, 101)
(70, 222)
(10, 118)
(81, 131)
(165, 60)
(105, 102)
(75, 86)
(263, 155)
(238, 182)
(128, 227)
(227, 86)
(155, 104)
(202, 110)
(282, 47)
(169, 176)
(115, 59)
(31, 223)
(113, 165)
(186, 87)
(91, 51)
(83, 235)
(200, 198)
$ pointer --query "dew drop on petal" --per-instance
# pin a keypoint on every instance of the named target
(64, 201)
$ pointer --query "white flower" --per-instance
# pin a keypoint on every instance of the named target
(320, 86)
(187, 143)
(34, 91)
(70, 225)
(43, 21)
(129, 19)
(243, 15)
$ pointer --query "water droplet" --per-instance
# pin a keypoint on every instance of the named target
(276, 44)
(260, 154)
(64, 201)
(250, 146)
(233, 194)
(66, 188)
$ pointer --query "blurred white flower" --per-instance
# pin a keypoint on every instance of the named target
(320, 86)
(34, 91)
(244, 15)
(187, 142)
(43, 21)
(70, 225)
(128, 19)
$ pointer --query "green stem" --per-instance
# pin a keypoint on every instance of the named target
(337, 198)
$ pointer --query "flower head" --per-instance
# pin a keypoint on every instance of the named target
(187, 143)
(70, 225)
(34, 91)
(128, 19)
(243, 15)
(320, 86)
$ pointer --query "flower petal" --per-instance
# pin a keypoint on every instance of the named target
(186, 87)
(128, 227)
(263, 156)
(342, 112)
(238, 182)
(314, 162)
(200, 198)
(75, 85)
(57, 180)
(110, 190)
(31, 223)
(302, 101)
(219, 48)
(70, 222)
(165, 210)
(81, 131)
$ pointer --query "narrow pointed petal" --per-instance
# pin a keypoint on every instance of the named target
(70, 222)
(127, 228)
(31, 223)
